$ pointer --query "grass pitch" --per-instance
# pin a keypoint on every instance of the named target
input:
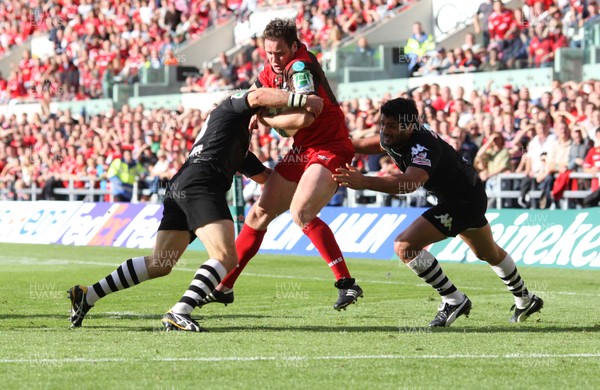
(282, 331)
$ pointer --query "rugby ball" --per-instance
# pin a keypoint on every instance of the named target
(285, 133)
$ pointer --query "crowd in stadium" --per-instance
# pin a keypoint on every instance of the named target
(500, 129)
(511, 38)
(98, 44)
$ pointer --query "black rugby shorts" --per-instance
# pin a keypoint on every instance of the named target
(453, 216)
(195, 197)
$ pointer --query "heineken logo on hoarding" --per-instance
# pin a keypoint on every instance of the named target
(547, 238)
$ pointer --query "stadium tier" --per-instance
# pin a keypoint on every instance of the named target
(89, 79)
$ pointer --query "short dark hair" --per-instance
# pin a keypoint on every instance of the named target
(406, 108)
(282, 29)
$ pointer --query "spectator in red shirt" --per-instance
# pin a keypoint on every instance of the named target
(4, 97)
(369, 12)
(540, 48)
(469, 63)
(546, 3)
(243, 70)
(14, 86)
(306, 33)
(133, 63)
(502, 25)
(559, 40)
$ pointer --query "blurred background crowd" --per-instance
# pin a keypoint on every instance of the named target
(498, 129)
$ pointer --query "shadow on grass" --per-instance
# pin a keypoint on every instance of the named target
(208, 322)
(89, 321)
(127, 316)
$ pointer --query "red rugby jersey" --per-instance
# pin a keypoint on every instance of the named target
(304, 75)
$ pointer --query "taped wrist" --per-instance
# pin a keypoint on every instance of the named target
(296, 100)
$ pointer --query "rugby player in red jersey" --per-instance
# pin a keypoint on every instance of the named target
(302, 180)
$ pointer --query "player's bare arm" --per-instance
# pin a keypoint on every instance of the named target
(278, 98)
(369, 145)
(302, 112)
(314, 105)
(262, 177)
(290, 119)
(404, 183)
(268, 97)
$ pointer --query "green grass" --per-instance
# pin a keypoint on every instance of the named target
(283, 333)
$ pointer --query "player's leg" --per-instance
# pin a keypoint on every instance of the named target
(409, 246)
(170, 245)
(481, 242)
(274, 200)
(218, 238)
(315, 189)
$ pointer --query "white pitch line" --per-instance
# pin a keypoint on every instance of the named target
(302, 358)
(32, 260)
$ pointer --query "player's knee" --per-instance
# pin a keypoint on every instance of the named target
(405, 250)
(258, 217)
(490, 255)
(483, 252)
(159, 266)
(484, 255)
(301, 217)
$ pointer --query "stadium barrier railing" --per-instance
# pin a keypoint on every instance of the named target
(89, 193)
(34, 193)
(500, 194)
(503, 189)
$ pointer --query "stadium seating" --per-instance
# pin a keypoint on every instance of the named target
(73, 110)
